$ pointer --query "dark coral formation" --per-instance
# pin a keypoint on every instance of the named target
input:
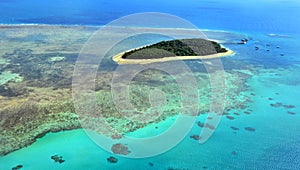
(234, 128)
(17, 167)
(151, 164)
(205, 125)
(230, 117)
(58, 159)
(291, 113)
(112, 159)
(201, 124)
(289, 106)
(247, 112)
(251, 129)
(195, 137)
(279, 104)
(233, 153)
(172, 168)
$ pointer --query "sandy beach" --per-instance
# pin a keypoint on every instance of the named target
(118, 58)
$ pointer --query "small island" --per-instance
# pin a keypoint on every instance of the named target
(183, 49)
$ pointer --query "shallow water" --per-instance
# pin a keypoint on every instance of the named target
(264, 135)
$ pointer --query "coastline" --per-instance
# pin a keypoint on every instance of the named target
(32, 139)
(119, 60)
(14, 141)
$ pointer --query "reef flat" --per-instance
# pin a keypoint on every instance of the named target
(37, 99)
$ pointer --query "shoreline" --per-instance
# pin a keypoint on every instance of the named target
(38, 132)
(30, 141)
(119, 60)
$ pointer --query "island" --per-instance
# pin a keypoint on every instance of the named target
(178, 49)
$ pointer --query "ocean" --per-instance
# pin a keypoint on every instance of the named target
(264, 134)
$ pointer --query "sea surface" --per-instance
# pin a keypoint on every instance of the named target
(265, 135)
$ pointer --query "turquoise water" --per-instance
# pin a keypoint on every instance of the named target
(275, 142)
(276, 132)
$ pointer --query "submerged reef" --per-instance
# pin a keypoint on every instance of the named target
(40, 101)
(58, 159)
(120, 149)
(112, 159)
(17, 167)
(251, 129)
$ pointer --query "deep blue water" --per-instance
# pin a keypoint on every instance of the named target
(257, 15)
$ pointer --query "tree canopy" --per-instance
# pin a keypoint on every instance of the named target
(183, 47)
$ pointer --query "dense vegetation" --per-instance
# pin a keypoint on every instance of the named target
(184, 47)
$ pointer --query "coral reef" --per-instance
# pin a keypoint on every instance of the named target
(41, 101)
(230, 117)
(205, 125)
(234, 128)
(195, 137)
(151, 164)
(17, 167)
(291, 113)
(112, 159)
(58, 159)
(251, 129)
(233, 153)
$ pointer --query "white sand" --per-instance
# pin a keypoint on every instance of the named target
(118, 58)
